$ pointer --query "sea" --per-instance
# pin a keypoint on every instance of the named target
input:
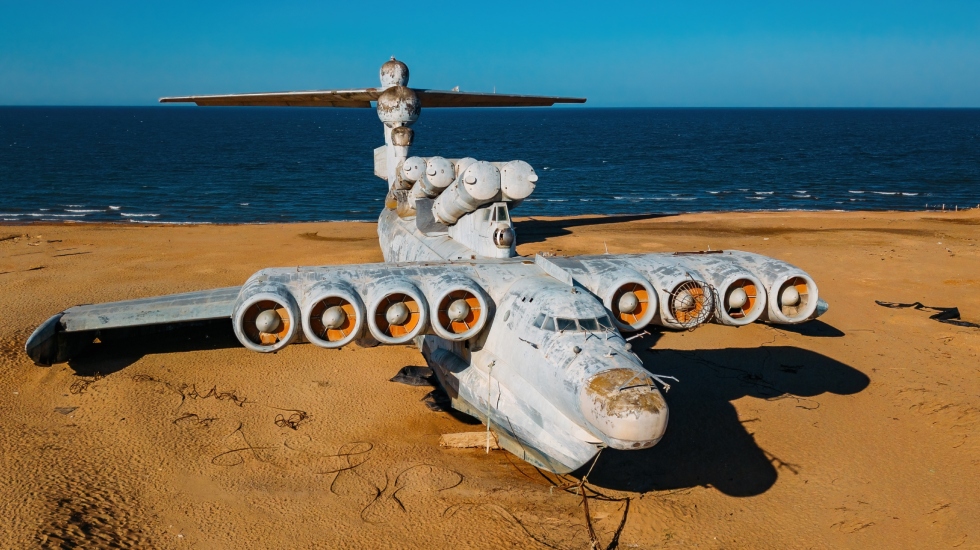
(264, 165)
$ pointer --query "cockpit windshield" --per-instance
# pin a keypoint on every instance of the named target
(562, 324)
(500, 213)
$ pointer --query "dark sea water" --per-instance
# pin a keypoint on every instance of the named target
(158, 164)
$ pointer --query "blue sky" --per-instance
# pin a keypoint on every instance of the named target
(788, 53)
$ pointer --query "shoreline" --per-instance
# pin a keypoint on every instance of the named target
(517, 219)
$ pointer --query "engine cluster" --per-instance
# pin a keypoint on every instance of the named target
(272, 313)
(684, 290)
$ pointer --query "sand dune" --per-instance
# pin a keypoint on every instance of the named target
(858, 430)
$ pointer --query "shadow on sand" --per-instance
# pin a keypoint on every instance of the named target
(535, 231)
(706, 443)
(120, 348)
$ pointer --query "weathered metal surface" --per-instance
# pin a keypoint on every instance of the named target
(393, 73)
(441, 98)
(189, 306)
(398, 106)
(313, 98)
(477, 185)
(363, 97)
(532, 347)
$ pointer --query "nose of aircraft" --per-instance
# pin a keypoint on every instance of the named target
(626, 407)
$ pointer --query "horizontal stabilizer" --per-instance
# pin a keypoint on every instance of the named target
(363, 98)
(314, 98)
(439, 98)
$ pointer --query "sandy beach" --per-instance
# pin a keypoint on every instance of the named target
(859, 430)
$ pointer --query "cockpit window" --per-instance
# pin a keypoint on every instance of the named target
(565, 324)
(553, 324)
(501, 214)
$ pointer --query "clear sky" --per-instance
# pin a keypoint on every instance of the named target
(788, 53)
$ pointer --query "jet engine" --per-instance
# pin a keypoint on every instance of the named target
(687, 304)
(265, 317)
(461, 309)
(741, 300)
(632, 301)
(792, 298)
(397, 312)
(333, 314)
(477, 185)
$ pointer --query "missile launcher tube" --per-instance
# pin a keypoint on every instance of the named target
(438, 174)
(517, 180)
(476, 186)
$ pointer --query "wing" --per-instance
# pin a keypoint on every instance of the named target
(363, 98)
(330, 306)
(68, 332)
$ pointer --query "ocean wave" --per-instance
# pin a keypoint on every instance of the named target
(115, 207)
(82, 211)
(557, 200)
(756, 198)
(173, 223)
(856, 192)
(714, 192)
(885, 192)
(909, 194)
(764, 192)
(124, 214)
(801, 196)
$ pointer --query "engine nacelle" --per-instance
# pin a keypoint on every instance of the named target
(686, 300)
(631, 299)
(461, 308)
(265, 317)
(477, 185)
(741, 300)
(397, 311)
(688, 304)
(333, 314)
(792, 298)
